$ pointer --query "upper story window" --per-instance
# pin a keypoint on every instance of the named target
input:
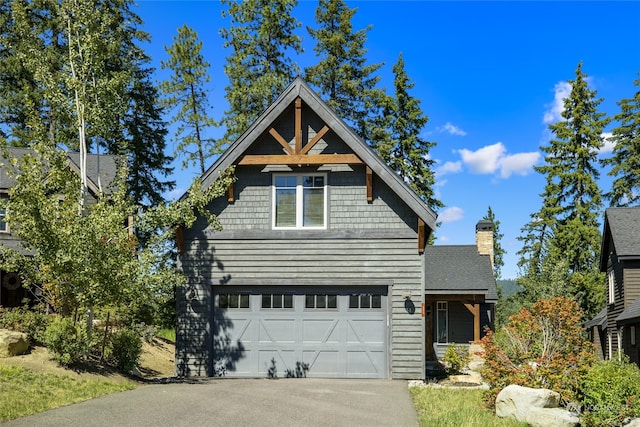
(611, 280)
(300, 201)
(4, 198)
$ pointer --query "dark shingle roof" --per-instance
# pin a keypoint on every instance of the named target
(101, 169)
(459, 269)
(622, 232)
(630, 314)
(599, 320)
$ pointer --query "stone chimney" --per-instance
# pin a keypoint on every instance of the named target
(484, 238)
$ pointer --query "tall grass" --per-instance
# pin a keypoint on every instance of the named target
(168, 334)
(454, 407)
(24, 392)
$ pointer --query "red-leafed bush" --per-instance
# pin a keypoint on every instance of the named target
(544, 347)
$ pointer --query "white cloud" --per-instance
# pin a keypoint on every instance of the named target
(608, 144)
(493, 158)
(452, 129)
(451, 214)
(518, 164)
(443, 239)
(554, 110)
(449, 167)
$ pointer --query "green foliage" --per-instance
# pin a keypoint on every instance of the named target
(25, 392)
(625, 159)
(498, 250)
(185, 93)
(611, 393)
(125, 348)
(566, 228)
(397, 139)
(456, 358)
(343, 79)
(544, 347)
(167, 334)
(262, 40)
(67, 340)
(30, 321)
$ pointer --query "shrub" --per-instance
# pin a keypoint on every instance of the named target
(611, 393)
(125, 348)
(29, 321)
(544, 347)
(456, 357)
(67, 340)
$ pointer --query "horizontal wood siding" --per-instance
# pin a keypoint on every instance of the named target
(238, 262)
(631, 282)
(614, 309)
(460, 323)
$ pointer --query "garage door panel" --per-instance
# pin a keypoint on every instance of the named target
(277, 330)
(341, 342)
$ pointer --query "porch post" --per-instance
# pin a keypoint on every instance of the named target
(475, 310)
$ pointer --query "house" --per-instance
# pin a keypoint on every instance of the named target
(617, 327)
(101, 170)
(460, 292)
(320, 267)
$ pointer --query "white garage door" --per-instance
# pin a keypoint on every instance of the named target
(319, 333)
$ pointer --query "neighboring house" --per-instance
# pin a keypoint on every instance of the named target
(320, 266)
(101, 170)
(460, 292)
(617, 327)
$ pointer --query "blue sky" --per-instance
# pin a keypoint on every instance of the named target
(490, 76)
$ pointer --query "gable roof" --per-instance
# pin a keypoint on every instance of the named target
(630, 314)
(101, 169)
(459, 269)
(622, 231)
(599, 320)
(299, 89)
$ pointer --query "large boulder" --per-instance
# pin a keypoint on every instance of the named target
(13, 343)
(536, 407)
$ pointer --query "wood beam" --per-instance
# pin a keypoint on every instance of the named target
(475, 310)
(422, 236)
(313, 159)
(369, 184)
(230, 194)
(298, 124)
(315, 139)
(274, 133)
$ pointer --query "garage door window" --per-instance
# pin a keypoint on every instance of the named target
(277, 301)
(360, 301)
(321, 301)
(233, 301)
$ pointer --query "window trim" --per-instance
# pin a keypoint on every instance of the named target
(632, 335)
(445, 304)
(611, 282)
(299, 201)
(326, 300)
(283, 301)
(370, 296)
(3, 214)
(240, 296)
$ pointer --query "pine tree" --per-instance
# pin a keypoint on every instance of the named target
(261, 38)
(186, 92)
(498, 250)
(342, 77)
(399, 144)
(102, 64)
(566, 228)
(625, 160)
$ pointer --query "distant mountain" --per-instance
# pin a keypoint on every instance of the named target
(508, 287)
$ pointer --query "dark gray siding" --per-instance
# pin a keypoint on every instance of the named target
(365, 242)
(460, 323)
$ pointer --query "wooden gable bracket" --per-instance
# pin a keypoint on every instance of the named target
(422, 236)
(369, 174)
(298, 155)
(180, 238)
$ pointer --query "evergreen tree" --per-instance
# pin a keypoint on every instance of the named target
(186, 92)
(261, 38)
(399, 143)
(342, 77)
(566, 228)
(625, 160)
(89, 48)
(498, 250)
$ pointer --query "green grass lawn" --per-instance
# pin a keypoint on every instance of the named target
(454, 407)
(25, 392)
(168, 334)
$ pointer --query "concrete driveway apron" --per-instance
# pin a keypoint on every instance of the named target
(243, 402)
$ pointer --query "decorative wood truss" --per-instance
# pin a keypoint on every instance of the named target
(299, 155)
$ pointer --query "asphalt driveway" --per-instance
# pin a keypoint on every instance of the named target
(243, 402)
